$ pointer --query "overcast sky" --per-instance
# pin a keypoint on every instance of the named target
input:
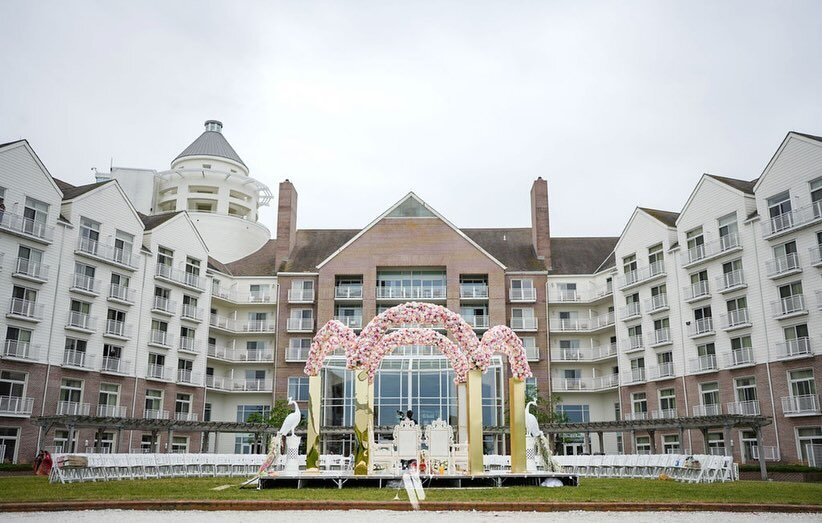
(616, 104)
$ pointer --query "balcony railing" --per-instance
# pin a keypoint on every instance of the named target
(526, 294)
(115, 365)
(791, 220)
(161, 338)
(730, 280)
(794, 348)
(109, 253)
(300, 324)
(188, 344)
(631, 310)
(118, 328)
(186, 416)
(473, 291)
(297, 353)
(25, 309)
(111, 411)
(635, 416)
(805, 405)
(642, 274)
(633, 343)
(31, 269)
(19, 349)
(155, 414)
(587, 384)
(16, 406)
(121, 293)
(186, 376)
(236, 297)
(663, 414)
(704, 363)
(735, 318)
(584, 354)
(26, 226)
(411, 293)
(179, 277)
(71, 408)
(697, 290)
(477, 321)
(604, 320)
(348, 292)
(743, 408)
(300, 295)
(221, 322)
(816, 255)
(635, 375)
(711, 249)
(81, 320)
(700, 327)
(191, 312)
(77, 358)
(238, 385)
(566, 324)
(783, 265)
(788, 306)
(661, 336)
(241, 355)
(741, 356)
(531, 352)
(163, 304)
(85, 284)
(656, 303)
(524, 324)
(712, 409)
(354, 322)
(158, 372)
(663, 370)
(564, 296)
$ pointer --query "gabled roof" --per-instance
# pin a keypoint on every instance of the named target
(25, 143)
(261, 262)
(71, 192)
(402, 203)
(512, 246)
(791, 134)
(812, 137)
(315, 245)
(666, 217)
(155, 220)
(581, 255)
(739, 185)
(211, 143)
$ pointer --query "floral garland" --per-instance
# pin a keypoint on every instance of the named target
(331, 336)
(503, 340)
(414, 336)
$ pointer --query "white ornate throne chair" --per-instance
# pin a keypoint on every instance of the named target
(439, 436)
(407, 439)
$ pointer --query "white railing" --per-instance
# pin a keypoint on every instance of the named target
(770, 453)
(119, 292)
(531, 352)
(661, 336)
(84, 283)
(81, 320)
(348, 292)
(593, 384)
(641, 274)
(730, 280)
(792, 219)
(701, 326)
(186, 376)
(76, 358)
(258, 297)
(27, 226)
(630, 310)
(158, 372)
(418, 293)
(161, 338)
(164, 304)
(19, 349)
(106, 252)
(471, 291)
(793, 348)
(697, 290)
(191, 312)
(806, 404)
(635, 416)
(25, 308)
(735, 318)
(782, 265)
(118, 328)
(155, 414)
(524, 294)
(712, 409)
(111, 411)
(790, 305)
(296, 353)
(181, 277)
(16, 406)
(816, 255)
(663, 414)
(529, 324)
(255, 326)
(72, 408)
(236, 297)
(238, 385)
(583, 353)
(711, 249)
(477, 322)
(186, 416)
(743, 408)
(663, 370)
(703, 363)
(221, 322)
(564, 295)
(116, 365)
(241, 355)
(300, 324)
(604, 320)
(354, 322)
(566, 324)
(635, 375)
(655, 303)
(741, 356)
(188, 344)
(633, 343)
(300, 295)
(31, 269)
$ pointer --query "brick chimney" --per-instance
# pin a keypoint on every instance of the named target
(540, 229)
(286, 220)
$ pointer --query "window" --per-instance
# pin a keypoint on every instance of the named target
(779, 209)
(79, 315)
(655, 258)
(635, 337)
(522, 289)
(791, 299)
(154, 402)
(709, 392)
(111, 358)
(670, 444)
(732, 274)
(182, 406)
(192, 266)
(703, 320)
(147, 443)
(12, 384)
(75, 352)
(745, 389)
(298, 348)
(575, 413)
(29, 262)
(696, 244)
(802, 382)
(707, 356)
(665, 360)
(123, 246)
(785, 259)
(71, 391)
(662, 331)
(629, 264)
(639, 403)
(179, 444)
(699, 284)
(741, 350)
(737, 311)
(667, 402)
(18, 343)
(36, 215)
(298, 388)
(810, 443)
(156, 366)
(244, 411)
(643, 444)
(108, 400)
(165, 256)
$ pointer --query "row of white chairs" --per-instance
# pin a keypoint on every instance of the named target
(696, 468)
(111, 467)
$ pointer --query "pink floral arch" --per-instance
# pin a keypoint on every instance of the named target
(503, 340)
(399, 338)
(331, 336)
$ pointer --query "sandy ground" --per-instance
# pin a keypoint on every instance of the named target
(381, 516)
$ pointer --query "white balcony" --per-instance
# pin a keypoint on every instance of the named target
(708, 251)
(791, 220)
(186, 416)
(705, 363)
(19, 349)
(241, 355)
(660, 337)
(630, 311)
(192, 313)
(348, 292)
(81, 321)
(527, 294)
(664, 414)
(633, 343)
(300, 324)
(743, 408)
(300, 295)
(30, 270)
(783, 266)
(730, 281)
(584, 354)
(188, 344)
(158, 372)
(642, 274)
(701, 327)
(524, 324)
(121, 294)
(221, 322)
(187, 377)
(636, 375)
(740, 357)
(25, 310)
(805, 405)
(564, 296)
(83, 284)
(231, 295)
(118, 329)
(353, 322)
(258, 297)
(661, 371)
(107, 253)
(411, 293)
(473, 291)
(77, 359)
(164, 306)
(111, 411)
(179, 277)
(72, 408)
(160, 338)
(531, 352)
(816, 255)
(238, 385)
(586, 384)
(477, 321)
(656, 303)
(16, 406)
(603, 321)
(713, 409)
(563, 324)
(26, 227)
(795, 348)
(155, 414)
(635, 416)
(296, 352)
(697, 291)
(789, 306)
(115, 366)
(736, 319)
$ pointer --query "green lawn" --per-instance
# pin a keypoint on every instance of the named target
(622, 490)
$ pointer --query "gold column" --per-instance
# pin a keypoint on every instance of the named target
(475, 442)
(313, 442)
(363, 423)
(516, 424)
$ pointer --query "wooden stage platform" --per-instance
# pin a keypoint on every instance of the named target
(336, 479)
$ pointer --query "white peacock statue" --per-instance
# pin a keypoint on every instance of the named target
(543, 444)
(289, 424)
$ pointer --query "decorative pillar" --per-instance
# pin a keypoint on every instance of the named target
(516, 422)
(475, 441)
(363, 422)
(312, 448)
(462, 413)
